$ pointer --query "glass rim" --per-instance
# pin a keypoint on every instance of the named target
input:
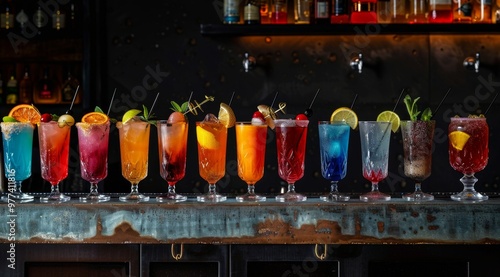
(290, 119)
(335, 122)
(168, 122)
(249, 123)
(467, 118)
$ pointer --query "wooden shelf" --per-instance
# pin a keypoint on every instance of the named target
(345, 29)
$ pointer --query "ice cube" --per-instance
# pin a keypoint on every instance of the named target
(210, 118)
(335, 149)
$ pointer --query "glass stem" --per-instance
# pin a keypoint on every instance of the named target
(375, 187)
(171, 189)
(54, 189)
(251, 189)
(211, 189)
(418, 187)
(135, 188)
(334, 186)
(93, 188)
(291, 187)
(469, 181)
(18, 187)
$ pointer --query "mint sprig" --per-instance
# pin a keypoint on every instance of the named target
(183, 108)
(412, 107)
(146, 116)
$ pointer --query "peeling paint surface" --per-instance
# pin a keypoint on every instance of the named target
(309, 222)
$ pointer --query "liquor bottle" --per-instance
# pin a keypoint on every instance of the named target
(44, 90)
(231, 12)
(495, 15)
(59, 20)
(7, 15)
(462, 11)
(68, 89)
(320, 12)
(440, 11)
(364, 11)
(399, 10)
(251, 12)
(26, 88)
(384, 11)
(340, 11)
(302, 11)
(265, 12)
(418, 11)
(481, 11)
(279, 12)
(11, 91)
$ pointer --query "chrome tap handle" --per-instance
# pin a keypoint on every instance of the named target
(472, 63)
(248, 62)
(356, 63)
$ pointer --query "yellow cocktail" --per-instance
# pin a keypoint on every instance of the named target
(134, 145)
(251, 152)
(212, 140)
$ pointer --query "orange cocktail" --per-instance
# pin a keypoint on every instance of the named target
(134, 145)
(251, 152)
(212, 140)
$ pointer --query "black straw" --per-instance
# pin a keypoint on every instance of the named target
(354, 100)
(111, 103)
(231, 100)
(440, 103)
(310, 106)
(154, 102)
(272, 103)
(494, 98)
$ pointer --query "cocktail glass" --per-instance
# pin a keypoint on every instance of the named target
(17, 153)
(333, 144)
(251, 153)
(93, 141)
(54, 156)
(417, 147)
(374, 156)
(172, 145)
(212, 140)
(291, 138)
(134, 146)
(468, 153)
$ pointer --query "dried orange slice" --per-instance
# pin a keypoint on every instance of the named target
(25, 113)
(95, 118)
(269, 115)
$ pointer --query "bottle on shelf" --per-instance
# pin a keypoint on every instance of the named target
(399, 11)
(495, 14)
(265, 12)
(418, 11)
(59, 20)
(7, 15)
(384, 11)
(44, 92)
(320, 12)
(231, 11)
(279, 12)
(26, 88)
(301, 9)
(440, 11)
(364, 11)
(68, 89)
(340, 11)
(251, 12)
(481, 11)
(462, 11)
(11, 91)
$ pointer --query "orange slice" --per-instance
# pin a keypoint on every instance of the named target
(95, 118)
(226, 115)
(458, 139)
(25, 113)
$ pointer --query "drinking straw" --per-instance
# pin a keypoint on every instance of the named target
(74, 97)
(154, 102)
(496, 95)
(272, 103)
(389, 126)
(111, 102)
(354, 100)
(442, 100)
(231, 100)
(310, 106)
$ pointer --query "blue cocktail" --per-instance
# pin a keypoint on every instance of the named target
(17, 152)
(333, 143)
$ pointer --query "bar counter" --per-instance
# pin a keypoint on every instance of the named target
(441, 221)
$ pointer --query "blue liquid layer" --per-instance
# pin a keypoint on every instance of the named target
(334, 143)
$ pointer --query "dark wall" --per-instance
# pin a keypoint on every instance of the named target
(164, 36)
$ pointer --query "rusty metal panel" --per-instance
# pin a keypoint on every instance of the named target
(313, 221)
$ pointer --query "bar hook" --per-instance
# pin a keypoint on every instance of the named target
(176, 256)
(323, 255)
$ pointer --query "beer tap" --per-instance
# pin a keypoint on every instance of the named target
(472, 63)
(356, 63)
(248, 62)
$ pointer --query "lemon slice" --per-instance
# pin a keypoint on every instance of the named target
(206, 139)
(392, 117)
(347, 115)
(458, 139)
(226, 115)
(130, 114)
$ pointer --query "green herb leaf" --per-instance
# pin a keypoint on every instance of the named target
(412, 108)
(98, 109)
(426, 115)
(175, 107)
(145, 113)
(184, 107)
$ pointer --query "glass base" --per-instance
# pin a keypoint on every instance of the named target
(334, 197)
(134, 197)
(95, 198)
(418, 196)
(18, 196)
(469, 196)
(54, 197)
(171, 197)
(374, 196)
(10, 199)
(250, 197)
(211, 197)
(291, 197)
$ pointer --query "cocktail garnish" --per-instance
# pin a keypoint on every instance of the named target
(346, 115)
(458, 139)
(193, 107)
(392, 117)
(412, 108)
(25, 113)
(226, 115)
